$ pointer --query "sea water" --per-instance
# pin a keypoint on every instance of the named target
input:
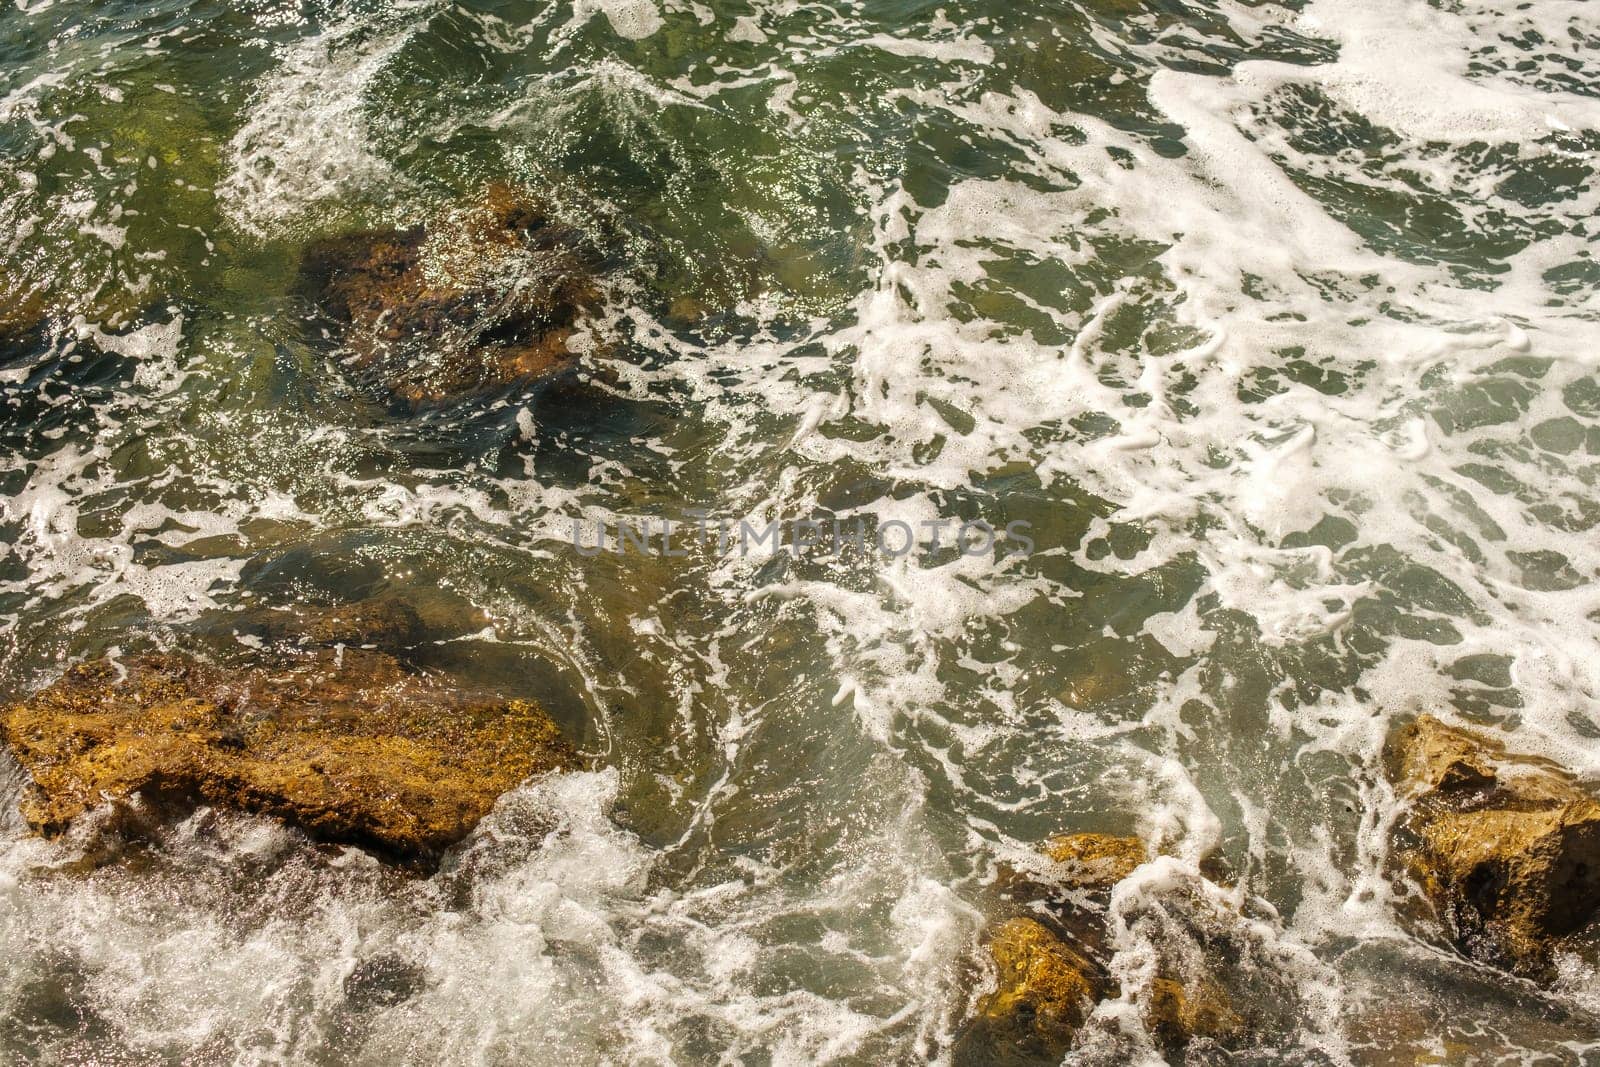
(1274, 324)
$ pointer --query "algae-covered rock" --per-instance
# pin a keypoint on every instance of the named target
(1085, 865)
(384, 622)
(1094, 862)
(1042, 968)
(1176, 1013)
(1505, 846)
(1185, 998)
(1045, 991)
(345, 744)
(478, 299)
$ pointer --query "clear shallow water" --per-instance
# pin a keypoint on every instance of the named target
(1277, 323)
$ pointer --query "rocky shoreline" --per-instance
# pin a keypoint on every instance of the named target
(1102, 943)
(1496, 853)
(327, 727)
(344, 744)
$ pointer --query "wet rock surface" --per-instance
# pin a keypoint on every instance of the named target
(1094, 863)
(22, 312)
(481, 298)
(345, 744)
(1045, 992)
(1505, 846)
(1176, 1013)
(30, 306)
(382, 982)
(1051, 966)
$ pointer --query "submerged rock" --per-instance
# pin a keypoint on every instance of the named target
(479, 299)
(29, 309)
(385, 622)
(1177, 1013)
(382, 982)
(344, 744)
(1505, 846)
(23, 310)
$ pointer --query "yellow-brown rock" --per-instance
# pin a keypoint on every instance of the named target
(344, 744)
(1094, 862)
(484, 297)
(1051, 976)
(1046, 990)
(1505, 846)
(1176, 1013)
(1075, 885)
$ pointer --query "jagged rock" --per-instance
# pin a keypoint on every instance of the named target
(345, 744)
(1045, 991)
(484, 297)
(1073, 878)
(1213, 974)
(1042, 965)
(1505, 846)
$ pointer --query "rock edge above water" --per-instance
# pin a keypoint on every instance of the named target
(1051, 966)
(1505, 846)
(344, 744)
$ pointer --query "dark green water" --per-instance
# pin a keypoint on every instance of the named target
(1276, 324)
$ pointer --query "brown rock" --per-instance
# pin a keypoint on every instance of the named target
(1080, 864)
(384, 621)
(344, 744)
(29, 305)
(1505, 846)
(1075, 881)
(23, 310)
(1176, 1013)
(478, 299)
(1042, 968)
(387, 622)
(1046, 991)
(1094, 862)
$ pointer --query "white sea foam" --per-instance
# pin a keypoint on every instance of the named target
(1256, 268)
(306, 140)
(631, 19)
